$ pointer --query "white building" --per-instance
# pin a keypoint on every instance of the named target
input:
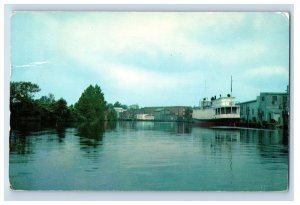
(119, 110)
(144, 117)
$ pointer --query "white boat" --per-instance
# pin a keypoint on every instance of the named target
(222, 111)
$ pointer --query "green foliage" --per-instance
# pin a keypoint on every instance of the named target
(74, 114)
(111, 113)
(21, 91)
(91, 104)
(60, 110)
(46, 109)
(188, 114)
(22, 104)
(47, 99)
(118, 104)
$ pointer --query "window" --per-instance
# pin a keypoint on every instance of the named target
(252, 111)
(234, 110)
(262, 98)
(274, 99)
(222, 110)
(228, 110)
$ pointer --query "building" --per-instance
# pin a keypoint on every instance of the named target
(168, 113)
(133, 107)
(248, 111)
(119, 111)
(272, 107)
(268, 108)
(164, 114)
(180, 112)
(144, 117)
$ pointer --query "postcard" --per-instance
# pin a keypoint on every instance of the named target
(149, 101)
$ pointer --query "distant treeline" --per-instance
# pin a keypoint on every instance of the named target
(91, 105)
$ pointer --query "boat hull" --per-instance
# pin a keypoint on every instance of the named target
(217, 122)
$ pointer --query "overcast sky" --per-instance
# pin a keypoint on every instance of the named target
(151, 59)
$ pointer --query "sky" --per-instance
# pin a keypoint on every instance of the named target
(151, 58)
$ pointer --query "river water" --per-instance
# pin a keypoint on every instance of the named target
(147, 156)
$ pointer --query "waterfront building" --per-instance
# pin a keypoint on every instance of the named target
(248, 111)
(167, 113)
(268, 108)
(144, 117)
(119, 110)
(180, 112)
(164, 114)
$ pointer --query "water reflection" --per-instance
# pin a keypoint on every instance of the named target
(264, 137)
(61, 133)
(24, 128)
(175, 128)
(217, 142)
(91, 133)
(24, 135)
(271, 143)
(227, 135)
(171, 127)
(257, 136)
(20, 141)
(19, 144)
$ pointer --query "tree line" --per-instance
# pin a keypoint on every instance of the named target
(91, 105)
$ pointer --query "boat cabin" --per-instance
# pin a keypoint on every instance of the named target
(221, 105)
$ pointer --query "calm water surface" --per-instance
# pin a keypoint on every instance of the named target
(147, 156)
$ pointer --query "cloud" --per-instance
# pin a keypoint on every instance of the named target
(164, 53)
(32, 64)
(104, 37)
(267, 71)
(135, 78)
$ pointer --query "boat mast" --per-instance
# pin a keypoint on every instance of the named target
(205, 88)
(231, 87)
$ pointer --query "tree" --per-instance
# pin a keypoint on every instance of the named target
(91, 104)
(20, 91)
(22, 104)
(47, 99)
(45, 109)
(111, 113)
(117, 104)
(60, 110)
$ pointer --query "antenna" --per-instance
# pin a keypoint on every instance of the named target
(205, 88)
(231, 87)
